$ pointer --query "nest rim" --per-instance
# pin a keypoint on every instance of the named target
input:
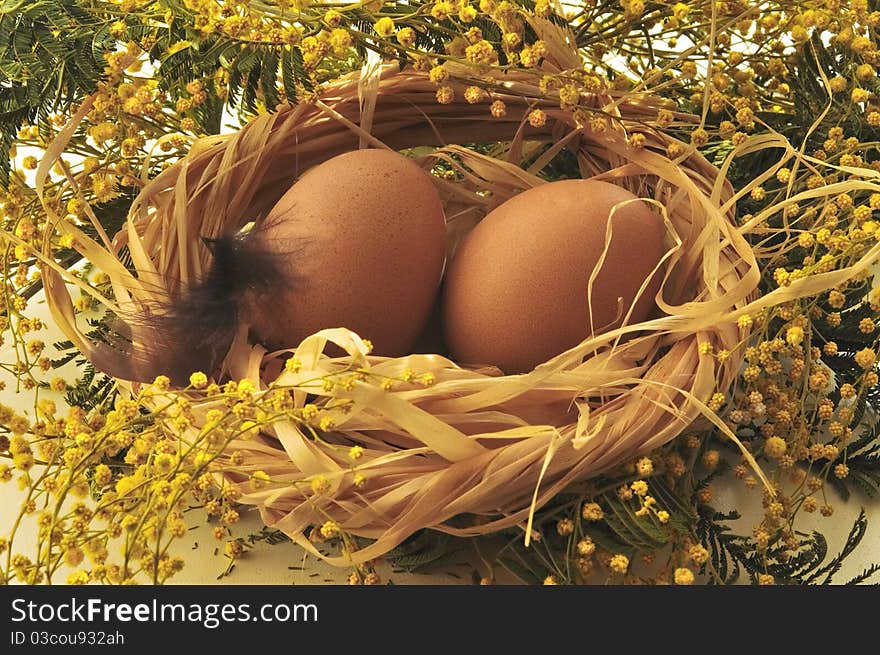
(549, 460)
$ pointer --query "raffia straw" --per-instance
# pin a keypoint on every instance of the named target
(476, 443)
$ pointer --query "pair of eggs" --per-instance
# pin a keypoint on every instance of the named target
(368, 231)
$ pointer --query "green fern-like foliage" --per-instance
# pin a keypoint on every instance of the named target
(41, 72)
(731, 554)
(424, 551)
(862, 458)
(92, 389)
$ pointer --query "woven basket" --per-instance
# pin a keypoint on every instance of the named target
(477, 445)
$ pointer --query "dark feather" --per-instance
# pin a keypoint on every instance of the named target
(194, 330)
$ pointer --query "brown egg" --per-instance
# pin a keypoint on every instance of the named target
(516, 289)
(365, 237)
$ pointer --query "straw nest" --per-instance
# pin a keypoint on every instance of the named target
(475, 446)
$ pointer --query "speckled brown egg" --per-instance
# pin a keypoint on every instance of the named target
(516, 288)
(364, 238)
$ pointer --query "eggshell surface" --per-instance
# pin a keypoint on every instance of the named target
(516, 288)
(364, 234)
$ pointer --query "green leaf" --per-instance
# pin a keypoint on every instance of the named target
(269, 79)
(864, 575)
(857, 532)
(39, 72)
(289, 66)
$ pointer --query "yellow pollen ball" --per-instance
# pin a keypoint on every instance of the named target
(683, 576)
(775, 447)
